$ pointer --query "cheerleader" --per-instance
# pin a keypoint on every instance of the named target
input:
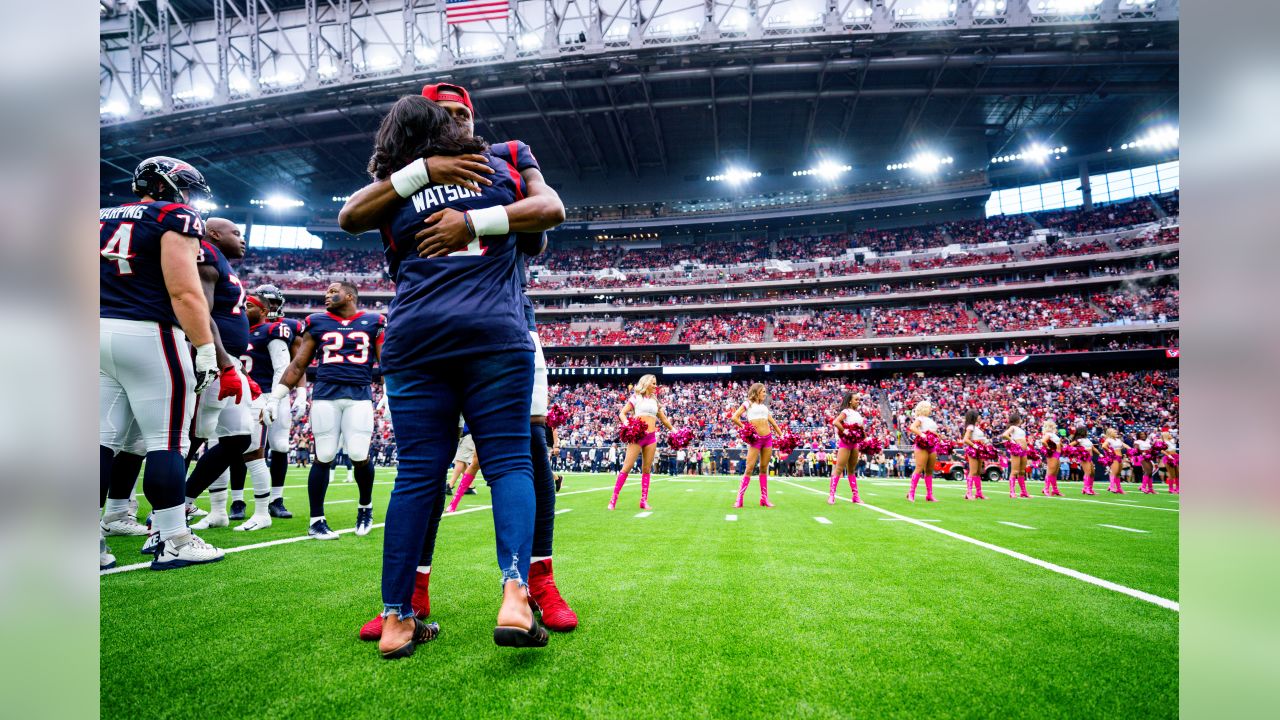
(974, 441)
(1052, 454)
(1116, 448)
(1169, 461)
(644, 405)
(1082, 440)
(925, 458)
(1143, 445)
(847, 455)
(1015, 435)
(757, 413)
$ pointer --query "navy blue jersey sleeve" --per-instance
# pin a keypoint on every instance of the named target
(179, 218)
(280, 331)
(517, 154)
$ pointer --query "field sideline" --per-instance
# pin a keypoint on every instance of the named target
(696, 609)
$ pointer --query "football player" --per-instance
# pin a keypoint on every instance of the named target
(348, 341)
(150, 303)
(271, 343)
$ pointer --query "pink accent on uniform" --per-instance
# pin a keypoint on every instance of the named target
(463, 484)
(968, 487)
(928, 487)
(617, 488)
(853, 486)
(977, 488)
(742, 490)
(764, 491)
(831, 494)
(1022, 486)
(644, 491)
(915, 480)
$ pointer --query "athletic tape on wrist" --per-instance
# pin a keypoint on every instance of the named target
(490, 221)
(411, 178)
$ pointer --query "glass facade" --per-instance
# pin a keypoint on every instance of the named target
(1106, 188)
(280, 236)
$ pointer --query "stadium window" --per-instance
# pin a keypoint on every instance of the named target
(1167, 174)
(1145, 181)
(1051, 194)
(1072, 195)
(1030, 196)
(281, 236)
(1119, 185)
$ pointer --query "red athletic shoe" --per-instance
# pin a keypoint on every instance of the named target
(556, 614)
(421, 602)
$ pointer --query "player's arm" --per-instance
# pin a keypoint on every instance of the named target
(622, 414)
(914, 428)
(368, 207)
(297, 368)
(662, 415)
(209, 281)
(736, 417)
(278, 350)
(182, 281)
(541, 209)
(838, 422)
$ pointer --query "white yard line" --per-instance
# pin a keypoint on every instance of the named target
(1017, 525)
(731, 518)
(563, 511)
(644, 514)
(894, 519)
(1120, 527)
(1052, 567)
(823, 521)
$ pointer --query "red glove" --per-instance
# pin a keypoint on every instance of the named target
(254, 390)
(229, 384)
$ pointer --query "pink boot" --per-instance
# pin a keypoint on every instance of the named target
(1088, 486)
(915, 480)
(977, 488)
(742, 490)
(853, 486)
(831, 494)
(968, 487)
(1013, 486)
(928, 488)
(1022, 486)
(617, 488)
(644, 491)
(764, 491)
(463, 484)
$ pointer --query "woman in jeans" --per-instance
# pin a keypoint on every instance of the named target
(456, 342)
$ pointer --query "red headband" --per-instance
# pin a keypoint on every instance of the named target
(257, 302)
(444, 91)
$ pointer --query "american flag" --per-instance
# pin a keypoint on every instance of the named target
(457, 12)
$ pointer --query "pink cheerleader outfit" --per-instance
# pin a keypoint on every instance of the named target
(1087, 444)
(1116, 446)
(757, 411)
(1144, 447)
(848, 417)
(1019, 436)
(644, 407)
(973, 483)
(1053, 449)
(927, 425)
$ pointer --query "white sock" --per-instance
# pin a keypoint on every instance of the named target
(260, 475)
(170, 522)
(237, 496)
(314, 519)
(115, 507)
(539, 559)
(191, 501)
(424, 569)
(365, 507)
(276, 492)
(218, 502)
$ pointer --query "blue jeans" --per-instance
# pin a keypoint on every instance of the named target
(493, 392)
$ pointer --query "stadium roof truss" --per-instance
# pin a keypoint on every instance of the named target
(293, 89)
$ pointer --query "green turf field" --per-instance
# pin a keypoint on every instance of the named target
(802, 610)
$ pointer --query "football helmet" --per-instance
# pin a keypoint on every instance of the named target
(164, 178)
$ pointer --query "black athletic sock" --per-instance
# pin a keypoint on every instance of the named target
(124, 474)
(364, 481)
(317, 485)
(163, 480)
(238, 471)
(106, 458)
(214, 462)
(279, 468)
(196, 444)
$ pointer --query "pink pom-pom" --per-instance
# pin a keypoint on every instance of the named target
(853, 434)
(1159, 445)
(680, 438)
(1171, 459)
(943, 446)
(1015, 449)
(989, 452)
(748, 434)
(633, 431)
(786, 444)
(926, 441)
(556, 416)
(871, 446)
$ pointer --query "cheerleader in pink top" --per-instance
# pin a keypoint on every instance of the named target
(975, 449)
(1087, 453)
(1115, 453)
(1016, 439)
(1144, 455)
(923, 429)
(1170, 463)
(1052, 457)
(849, 423)
(757, 413)
(644, 404)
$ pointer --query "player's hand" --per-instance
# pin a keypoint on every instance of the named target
(229, 384)
(268, 414)
(466, 170)
(443, 233)
(254, 390)
(206, 366)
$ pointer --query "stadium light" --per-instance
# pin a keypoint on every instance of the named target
(1035, 153)
(826, 169)
(734, 176)
(989, 8)
(150, 102)
(925, 162)
(115, 107)
(1066, 7)
(1161, 138)
(205, 206)
(277, 202)
(530, 41)
(341, 198)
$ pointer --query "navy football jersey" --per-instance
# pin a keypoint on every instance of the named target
(257, 359)
(345, 354)
(228, 301)
(469, 302)
(131, 284)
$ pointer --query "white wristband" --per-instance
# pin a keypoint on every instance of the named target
(206, 356)
(279, 392)
(490, 221)
(411, 178)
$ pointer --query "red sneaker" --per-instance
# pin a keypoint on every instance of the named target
(421, 602)
(556, 614)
